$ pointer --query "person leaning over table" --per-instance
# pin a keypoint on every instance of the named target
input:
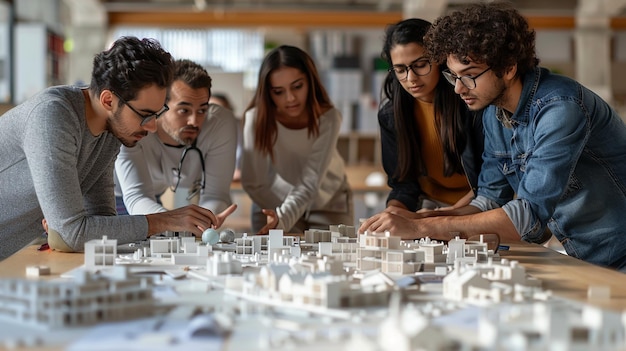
(550, 141)
(431, 143)
(192, 151)
(57, 152)
(291, 168)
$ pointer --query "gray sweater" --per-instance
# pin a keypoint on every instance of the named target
(52, 166)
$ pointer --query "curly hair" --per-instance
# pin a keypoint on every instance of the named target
(130, 65)
(192, 74)
(493, 33)
(317, 101)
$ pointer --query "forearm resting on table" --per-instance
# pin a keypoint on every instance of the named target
(469, 221)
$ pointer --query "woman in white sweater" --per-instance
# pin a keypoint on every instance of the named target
(291, 168)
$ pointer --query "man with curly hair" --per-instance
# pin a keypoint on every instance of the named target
(57, 152)
(555, 152)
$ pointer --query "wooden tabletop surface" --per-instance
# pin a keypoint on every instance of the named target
(569, 277)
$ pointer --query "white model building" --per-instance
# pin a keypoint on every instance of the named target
(385, 253)
(87, 299)
(246, 245)
(339, 241)
(313, 264)
(344, 248)
(550, 325)
(433, 250)
(223, 263)
(493, 281)
(467, 251)
(280, 284)
(100, 252)
(164, 247)
(194, 255)
(250, 245)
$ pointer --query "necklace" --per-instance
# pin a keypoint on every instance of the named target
(504, 117)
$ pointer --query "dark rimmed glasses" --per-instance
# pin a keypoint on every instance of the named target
(420, 67)
(468, 81)
(145, 118)
(177, 172)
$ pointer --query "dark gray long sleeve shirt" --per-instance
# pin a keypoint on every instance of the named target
(52, 166)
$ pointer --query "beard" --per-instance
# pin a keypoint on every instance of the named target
(496, 98)
(177, 135)
(114, 126)
(499, 99)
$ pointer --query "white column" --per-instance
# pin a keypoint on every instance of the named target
(87, 30)
(425, 9)
(593, 44)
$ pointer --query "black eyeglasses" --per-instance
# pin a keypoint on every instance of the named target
(144, 118)
(419, 67)
(468, 81)
(197, 187)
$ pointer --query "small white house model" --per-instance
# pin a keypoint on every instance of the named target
(100, 252)
(493, 281)
(259, 244)
(222, 263)
(385, 253)
(164, 247)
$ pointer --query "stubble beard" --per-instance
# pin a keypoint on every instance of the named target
(112, 126)
(184, 141)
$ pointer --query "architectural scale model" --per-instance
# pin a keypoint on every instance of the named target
(333, 289)
(86, 300)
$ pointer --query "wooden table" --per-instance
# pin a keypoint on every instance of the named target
(569, 277)
(59, 262)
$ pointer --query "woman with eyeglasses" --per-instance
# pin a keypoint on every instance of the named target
(291, 168)
(431, 143)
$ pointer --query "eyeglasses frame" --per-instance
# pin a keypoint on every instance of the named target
(410, 67)
(144, 118)
(453, 78)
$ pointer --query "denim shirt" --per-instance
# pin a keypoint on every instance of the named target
(565, 159)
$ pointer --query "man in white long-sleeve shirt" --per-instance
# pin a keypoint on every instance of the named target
(57, 152)
(191, 153)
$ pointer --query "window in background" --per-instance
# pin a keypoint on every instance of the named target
(216, 49)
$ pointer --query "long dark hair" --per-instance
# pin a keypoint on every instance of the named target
(317, 99)
(449, 108)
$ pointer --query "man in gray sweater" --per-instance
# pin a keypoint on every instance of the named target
(58, 150)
